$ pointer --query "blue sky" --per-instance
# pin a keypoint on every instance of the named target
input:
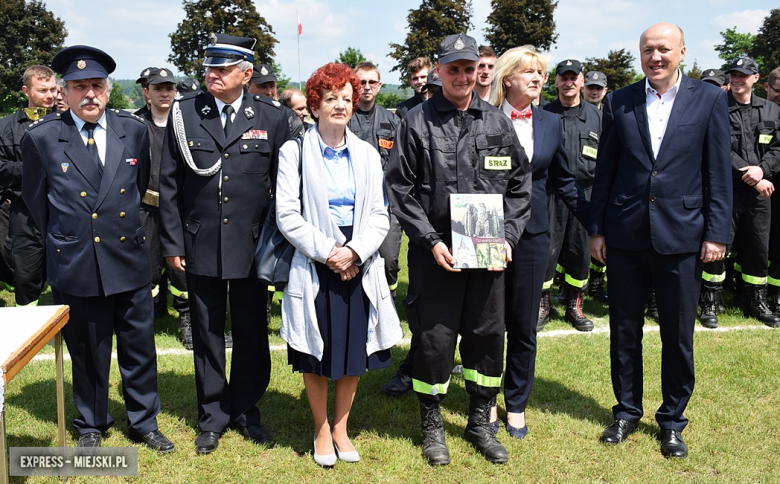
(136, 33)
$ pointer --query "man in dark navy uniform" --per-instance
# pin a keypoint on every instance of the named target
(218, 165)
(83, 175)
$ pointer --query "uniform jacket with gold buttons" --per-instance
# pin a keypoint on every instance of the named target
(91, 223)
(214, 221)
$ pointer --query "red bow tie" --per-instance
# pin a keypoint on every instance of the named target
(521, 115)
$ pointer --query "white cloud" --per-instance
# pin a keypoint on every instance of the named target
(746, 21)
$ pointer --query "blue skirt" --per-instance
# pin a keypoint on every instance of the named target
(342, 316)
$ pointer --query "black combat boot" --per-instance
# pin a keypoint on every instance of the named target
(544, 310)
(161, 304)
(773, 299)
(596, 287)
(434, 445)
(652, 306)
(574, 314)
(401, 382)
(185, 326)
(479, 431)
(710, 295)
(756, 307)
(737, 297)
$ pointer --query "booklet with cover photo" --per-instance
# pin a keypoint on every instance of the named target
(477, 221)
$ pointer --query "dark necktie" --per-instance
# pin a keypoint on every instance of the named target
(92, 146)
(228, 110)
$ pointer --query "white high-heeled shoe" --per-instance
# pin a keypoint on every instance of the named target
(351, 456)
(327, 460)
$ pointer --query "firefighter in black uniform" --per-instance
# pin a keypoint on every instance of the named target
(568, 237)
(443, 147)
(84, 173)
(142, 77)
(161, 91)
(219, 161)
(418, 71)
(755, 158)
(23, 246)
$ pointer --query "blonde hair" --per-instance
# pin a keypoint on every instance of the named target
(511, 61)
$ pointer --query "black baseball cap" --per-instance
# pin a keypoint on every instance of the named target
(143, 75)
(745, 65)
(714, 76)
(568, 65)
(433, 81)
(159, 76)
(262, 73)
(82, 62)
(595, 78)
(188, 85)
(457, 47)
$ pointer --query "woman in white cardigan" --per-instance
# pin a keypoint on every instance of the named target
(337, 314)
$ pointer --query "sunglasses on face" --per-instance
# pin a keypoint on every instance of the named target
(370, 82)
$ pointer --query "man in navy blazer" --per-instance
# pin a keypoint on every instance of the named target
(82, 180)
(661, 207)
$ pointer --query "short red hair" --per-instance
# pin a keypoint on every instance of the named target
(331, 77)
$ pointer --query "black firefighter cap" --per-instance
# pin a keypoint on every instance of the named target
(745, 65)
(595, 78)
(143, 75)
(227, 50)
(714, 76)
(160, 76)
(188, 85)
(82, 62)
(262, 73)
(457, 47)
(568, 65)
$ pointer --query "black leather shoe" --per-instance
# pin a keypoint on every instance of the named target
(90, 440)
(206, 442)
(401, 383)
(673, 445)
(154, 440)
(618, 432)
(256, 434)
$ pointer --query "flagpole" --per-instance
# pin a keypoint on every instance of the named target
(298, 31)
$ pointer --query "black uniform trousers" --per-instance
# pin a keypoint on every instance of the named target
(676, 279)
(774, 240)
(569, 240)
(389, 251)
(444, 304)
(89, 335)
(750, 223)
(25, 253)
(6, 273)
(161, 271)
(525, 277)
(220, 402)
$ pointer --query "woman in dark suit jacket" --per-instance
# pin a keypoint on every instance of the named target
(518, 80)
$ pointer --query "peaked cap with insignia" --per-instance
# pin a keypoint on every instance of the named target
(82, 62)
(457, 47)
(595, 78)
(228, 50)
(263, 73)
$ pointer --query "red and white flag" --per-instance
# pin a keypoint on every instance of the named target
(300, 27)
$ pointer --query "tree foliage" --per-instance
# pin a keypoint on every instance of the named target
(766, 48)
(203, 17)
(30, 35)
(428, 26)
(389, 99)
(618, 67)
(734, 46)
(513, 23)
(351, 57)
(117, 99)
(694, 72)
(282, 82)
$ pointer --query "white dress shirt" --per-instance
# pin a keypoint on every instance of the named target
(524, 129)
(99, 134)
(659, 107)
(221, 105)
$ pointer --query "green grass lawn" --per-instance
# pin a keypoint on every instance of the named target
(733, 433)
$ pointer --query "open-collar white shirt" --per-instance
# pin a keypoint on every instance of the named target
(659, 107)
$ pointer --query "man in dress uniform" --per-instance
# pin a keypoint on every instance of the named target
(161, 91)
(660, 207)
(83, 176)
(569, 238)
(755, 159)
(218, 166)
(595, 88)
(23, 245)
(436, 156)
(418, 71)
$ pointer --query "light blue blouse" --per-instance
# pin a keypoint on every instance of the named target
(341, 183)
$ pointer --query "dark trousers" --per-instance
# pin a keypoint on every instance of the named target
(220, 402)
(161, 271)
(389, 250)
(570, 241)
(525, 277)
(89, 334)
(444, 305)
(6, 273)
(774, 241)
(25, 252)
(750, 224)
(676, 279)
